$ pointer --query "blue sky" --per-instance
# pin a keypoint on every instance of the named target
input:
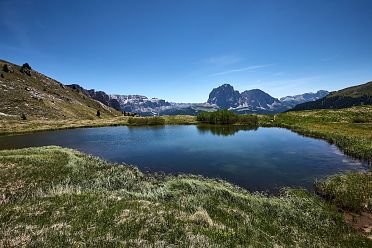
(180, 50)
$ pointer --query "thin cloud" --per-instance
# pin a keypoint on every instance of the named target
(223, 60)
(249, 68)
(293, 86)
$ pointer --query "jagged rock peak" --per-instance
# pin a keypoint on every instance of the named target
(224, 96)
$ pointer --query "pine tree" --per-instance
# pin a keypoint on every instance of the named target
(5, 68)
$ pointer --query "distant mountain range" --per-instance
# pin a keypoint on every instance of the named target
(256, 100)
(348, 97)
(222, 97)
(143, 105)
(26, 91)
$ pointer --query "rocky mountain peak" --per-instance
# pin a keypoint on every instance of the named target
(100, 96)
(256, 98)
(224, 96)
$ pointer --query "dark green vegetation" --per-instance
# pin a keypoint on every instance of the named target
(352, 96)
(24, 91)
(55, 197)
(146, 121)
(350, 191)
(226, 117)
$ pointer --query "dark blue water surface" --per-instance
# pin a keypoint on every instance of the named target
(265, 159)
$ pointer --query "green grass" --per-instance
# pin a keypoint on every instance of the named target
(56, 197)
(350, 191)
(146, 121)
(350, 129)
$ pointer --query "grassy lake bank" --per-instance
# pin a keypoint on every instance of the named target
(53, 196)
(10, 127)
(350, 129)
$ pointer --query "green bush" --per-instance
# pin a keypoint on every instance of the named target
(145, 121)
(26, 66)
(227, 117)
(350, 191)
(218, 117)
(248, 120)
(5, 68)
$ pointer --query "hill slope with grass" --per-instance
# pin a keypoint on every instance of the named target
(24, 91)
(352, 96)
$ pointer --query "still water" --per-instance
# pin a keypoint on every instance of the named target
(264, 159)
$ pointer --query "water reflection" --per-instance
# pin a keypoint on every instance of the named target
(223, 130)
(266, 159)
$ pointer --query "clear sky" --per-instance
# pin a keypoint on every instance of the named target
(179, 50)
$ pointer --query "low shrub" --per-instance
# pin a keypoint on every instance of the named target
(218, 117)
(227, 117)
(248, 120)
(146, 121)
(360, 120)
(26, 68)
(5, 68)
(350, 191)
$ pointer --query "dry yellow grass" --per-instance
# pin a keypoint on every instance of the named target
(9, 127)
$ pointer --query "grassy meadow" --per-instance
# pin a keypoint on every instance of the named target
(57, 197)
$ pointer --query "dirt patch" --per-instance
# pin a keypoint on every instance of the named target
(361, 222)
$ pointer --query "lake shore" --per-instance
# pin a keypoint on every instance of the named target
(13, 127)
(52, 194)
(349, 129)
(198, 205)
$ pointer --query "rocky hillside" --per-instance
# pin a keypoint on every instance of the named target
(256, 100)
(141, 105)
(100, 96)
(348, 97)
(30, 94)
